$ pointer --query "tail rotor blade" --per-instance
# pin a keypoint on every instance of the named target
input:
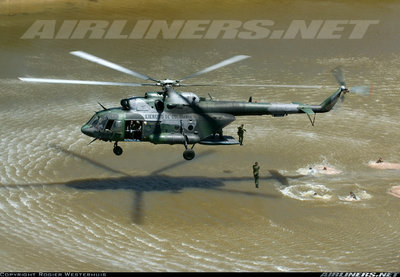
(339, 103)
(362, 90)
(338, 73)
(342, 98)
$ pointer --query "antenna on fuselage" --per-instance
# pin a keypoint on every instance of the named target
(104, 108)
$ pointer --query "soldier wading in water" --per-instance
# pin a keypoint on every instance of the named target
(256, 170)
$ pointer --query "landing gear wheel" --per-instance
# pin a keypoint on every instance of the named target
(117, 150)
(188, 154)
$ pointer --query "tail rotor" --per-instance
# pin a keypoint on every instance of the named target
(339, 76)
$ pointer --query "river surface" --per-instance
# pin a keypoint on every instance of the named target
(69, 206)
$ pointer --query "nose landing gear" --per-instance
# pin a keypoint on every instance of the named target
(117, 149)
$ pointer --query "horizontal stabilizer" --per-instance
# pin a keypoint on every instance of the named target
(307, 111)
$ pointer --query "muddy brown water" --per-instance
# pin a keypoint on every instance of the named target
(67, 206)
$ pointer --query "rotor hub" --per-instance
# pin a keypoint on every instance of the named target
(166, 82)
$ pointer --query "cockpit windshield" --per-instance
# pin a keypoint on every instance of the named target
(93, 121)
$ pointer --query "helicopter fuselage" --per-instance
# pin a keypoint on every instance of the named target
(152, 118)
(140, 119)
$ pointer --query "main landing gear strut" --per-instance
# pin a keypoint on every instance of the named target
(188, 154)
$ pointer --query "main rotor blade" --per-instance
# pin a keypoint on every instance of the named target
(218, 65)
(81, 82)
(114, 66)
(252, 85)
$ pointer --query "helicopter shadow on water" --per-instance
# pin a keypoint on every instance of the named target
(156, 181)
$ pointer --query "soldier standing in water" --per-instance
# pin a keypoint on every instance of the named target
(256, 170)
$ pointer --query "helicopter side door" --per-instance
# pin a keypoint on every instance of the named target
(133, 130)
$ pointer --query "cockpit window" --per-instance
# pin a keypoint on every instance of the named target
(94, 120)
(102, 123)
(109, 124)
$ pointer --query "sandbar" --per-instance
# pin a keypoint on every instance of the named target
(395, 191)
(384, 165)
(327, 170)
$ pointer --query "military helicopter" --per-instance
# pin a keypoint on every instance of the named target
(171, 117)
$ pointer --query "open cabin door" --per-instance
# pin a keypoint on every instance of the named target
(133, 130)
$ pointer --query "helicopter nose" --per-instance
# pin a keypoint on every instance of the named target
(87, 130)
